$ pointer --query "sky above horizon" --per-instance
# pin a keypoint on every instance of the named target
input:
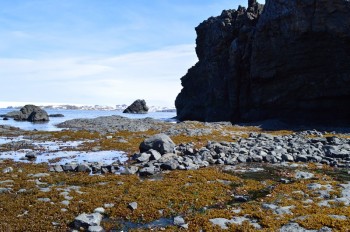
(99, 52)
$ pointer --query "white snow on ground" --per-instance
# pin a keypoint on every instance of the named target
(4, 140)
(55, 152)
(63, 157)
(57, 145)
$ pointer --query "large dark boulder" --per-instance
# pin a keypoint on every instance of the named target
(159, 142)
(287, 60)
(137, 107)
(32, 113)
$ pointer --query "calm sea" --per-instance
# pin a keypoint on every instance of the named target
(73, 114)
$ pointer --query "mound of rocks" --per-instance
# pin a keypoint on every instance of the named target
(137, 107)
(159, 153)
(259, 148)
(88, 167)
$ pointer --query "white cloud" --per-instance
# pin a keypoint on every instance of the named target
(154, 76)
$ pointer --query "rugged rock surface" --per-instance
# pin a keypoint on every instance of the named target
(110, 124)
(287, 60)
(160, 142)
(257, 148)
(137, 107)
(30, 113)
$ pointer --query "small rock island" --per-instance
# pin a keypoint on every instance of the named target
(137, 107)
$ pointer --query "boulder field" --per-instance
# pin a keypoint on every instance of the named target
(285, 59)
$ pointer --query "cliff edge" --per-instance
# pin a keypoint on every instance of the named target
(285, 59)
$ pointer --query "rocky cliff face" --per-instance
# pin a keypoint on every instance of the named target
(287, 59)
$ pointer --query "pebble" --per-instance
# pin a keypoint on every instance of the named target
(132, 205)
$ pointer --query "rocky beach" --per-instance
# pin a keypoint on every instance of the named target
(119, 174)
(261, 140)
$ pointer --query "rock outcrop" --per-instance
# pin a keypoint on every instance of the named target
(31, 113)
(137, 107)
(286, 60)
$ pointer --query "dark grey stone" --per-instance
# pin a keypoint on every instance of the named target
(160, 142)
(132, 205)
(86, 220)
(32, 113)
(147, 171)
(137, 107)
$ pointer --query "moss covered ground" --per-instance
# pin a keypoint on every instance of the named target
(197, 195)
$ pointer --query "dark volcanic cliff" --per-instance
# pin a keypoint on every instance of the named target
(287, 59)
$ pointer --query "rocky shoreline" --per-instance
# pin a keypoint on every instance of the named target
(245, 168)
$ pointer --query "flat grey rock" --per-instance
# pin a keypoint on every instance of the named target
(303, 175)
(179, 221)
(86, 220)
(132, 205)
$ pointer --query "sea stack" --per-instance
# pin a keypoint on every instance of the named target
(137, 107)
(287, 60)
(32, 113)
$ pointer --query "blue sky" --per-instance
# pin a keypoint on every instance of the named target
(103, 52)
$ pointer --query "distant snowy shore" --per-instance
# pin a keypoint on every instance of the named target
(97, 107)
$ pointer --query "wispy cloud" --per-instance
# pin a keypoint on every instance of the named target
(108, 80)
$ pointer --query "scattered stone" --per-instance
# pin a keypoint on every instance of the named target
(86, 220)
(283, 210)
(39, 175)
(22, 191)
(95, 229)
(295, 227)
(222, 222)
(241, 198)
(69, 167)
(143, 157)
(45, 190)
(339, 217)
(155, 155)
(84, 168)
(7, 182)
(5, 190)
(44, 199)
(56, 168)
(132, 205)
(31, 155)
(108, 205)
(147, 171)
(160, 142)
(100, 210)
(7, 170)
(303, 175)
(65, 203)
(179, 221)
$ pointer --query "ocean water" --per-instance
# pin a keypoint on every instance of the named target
(73, 114)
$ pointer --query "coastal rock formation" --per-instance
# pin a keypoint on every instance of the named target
(30, 113)
(137, 107)
(56, 115)
(286, 60)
